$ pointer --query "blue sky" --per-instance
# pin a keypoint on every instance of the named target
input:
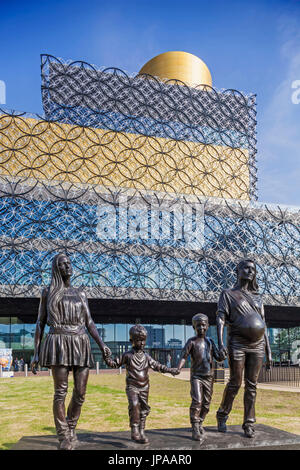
(249, 46)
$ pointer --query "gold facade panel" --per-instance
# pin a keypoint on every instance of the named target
(50, 151)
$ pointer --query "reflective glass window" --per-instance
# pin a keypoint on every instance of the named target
(155, 336)
(97, 354)
(189, 332)
(109, 332)
(169, 333)
(29, 330)
(121, 332)
(17, 334)
(5, 332)
(178, 336)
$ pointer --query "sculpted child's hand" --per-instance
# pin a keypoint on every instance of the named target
(223, 353)
(117, 360)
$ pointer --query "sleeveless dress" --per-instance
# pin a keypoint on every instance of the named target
(67, 343)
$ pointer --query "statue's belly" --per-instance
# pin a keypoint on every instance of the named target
(251, 327)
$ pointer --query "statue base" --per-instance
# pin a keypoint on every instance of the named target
(175, 439)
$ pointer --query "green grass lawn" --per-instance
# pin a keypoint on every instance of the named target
(26, 406)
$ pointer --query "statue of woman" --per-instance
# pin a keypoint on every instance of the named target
(242, 309)
(66, 347)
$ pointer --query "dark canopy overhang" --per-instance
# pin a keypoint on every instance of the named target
(147, 311)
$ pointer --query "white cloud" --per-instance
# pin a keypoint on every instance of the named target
(279, 128)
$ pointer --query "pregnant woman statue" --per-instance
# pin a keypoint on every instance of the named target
(242, 309)
(66, 347)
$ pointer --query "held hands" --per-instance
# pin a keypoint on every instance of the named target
(106, 352)
(34, 364)
(174, 371)
(114, 363)
(223, 352)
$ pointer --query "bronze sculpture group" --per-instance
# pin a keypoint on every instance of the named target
(67, 348)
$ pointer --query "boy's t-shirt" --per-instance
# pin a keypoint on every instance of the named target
(202, 352)
(137, 364)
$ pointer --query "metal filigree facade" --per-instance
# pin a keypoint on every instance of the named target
(120, 175)
(156, 135)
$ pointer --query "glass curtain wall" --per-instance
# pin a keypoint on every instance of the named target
(164, 342)
(19, 337)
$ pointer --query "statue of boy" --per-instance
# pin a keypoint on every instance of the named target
(137, 364)
(202, 351)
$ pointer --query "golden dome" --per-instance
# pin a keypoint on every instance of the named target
(179, 65)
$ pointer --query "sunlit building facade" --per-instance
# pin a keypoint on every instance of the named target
(149, 184)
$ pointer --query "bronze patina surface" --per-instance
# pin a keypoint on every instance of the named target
(67, 346)
(242, 309)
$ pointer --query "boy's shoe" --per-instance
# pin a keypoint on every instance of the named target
(196, 434)
(249, 430)
(73, 437)
(65, 444)
(221, 424)
(135, 433)
(144, 439)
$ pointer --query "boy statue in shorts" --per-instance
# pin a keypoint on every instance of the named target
(137, 364)
(202, 351)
